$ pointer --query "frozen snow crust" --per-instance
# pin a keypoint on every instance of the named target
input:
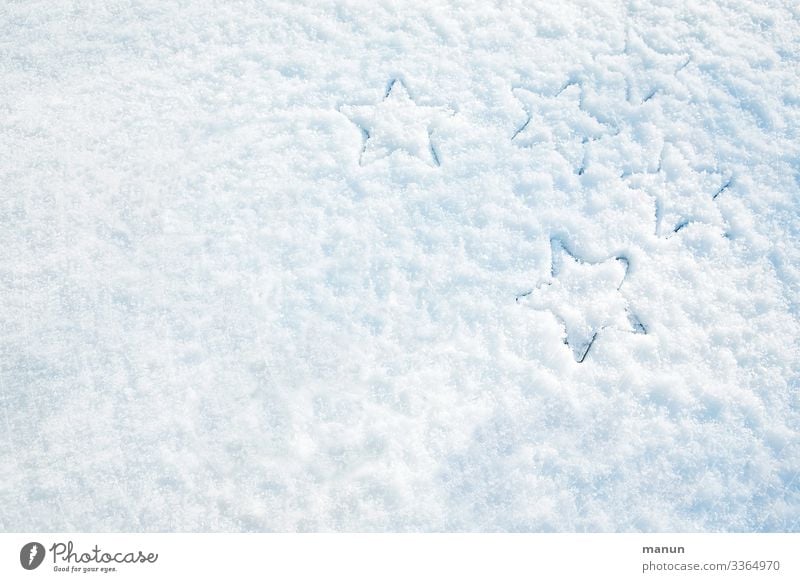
(379, 266)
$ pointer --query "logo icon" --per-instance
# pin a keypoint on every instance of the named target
(31, 555)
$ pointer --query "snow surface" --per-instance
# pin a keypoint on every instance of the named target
(301, 266)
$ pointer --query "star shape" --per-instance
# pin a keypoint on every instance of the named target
(396, 123)
(585, 298)
(682, 195)
(647, 72)
(558, 121)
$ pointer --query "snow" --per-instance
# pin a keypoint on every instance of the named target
(396, 124)
(261, 260)
(585, 298)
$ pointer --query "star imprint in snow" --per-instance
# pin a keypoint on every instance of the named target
(396, 123)
(558, 121)
(647, 72)
(585, 298)
(682, 194)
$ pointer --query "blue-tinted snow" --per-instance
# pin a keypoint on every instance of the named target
(225, 305)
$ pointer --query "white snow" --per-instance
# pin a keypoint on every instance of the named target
(259, 264)
(585, 298)
(396, 124)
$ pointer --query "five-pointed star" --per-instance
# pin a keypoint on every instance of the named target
(646, 71)
(585, 298)
(558, 121)
(682, 195)
(396, 123)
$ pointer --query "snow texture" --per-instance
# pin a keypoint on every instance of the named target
(380, 266)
